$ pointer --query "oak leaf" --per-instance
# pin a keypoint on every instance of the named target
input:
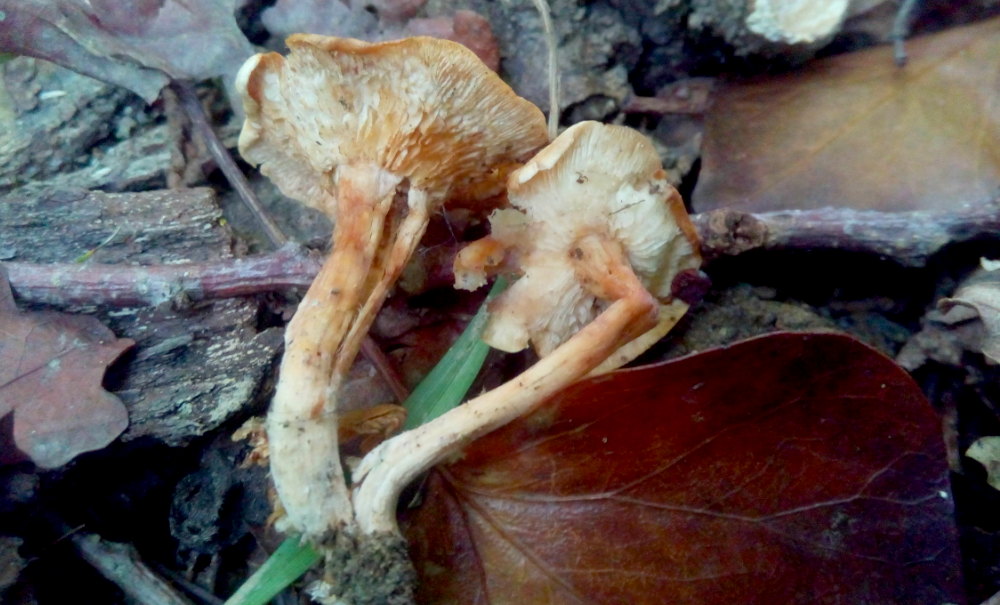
(50, 377)
(131, 43)
(856, 131)
(790, 468)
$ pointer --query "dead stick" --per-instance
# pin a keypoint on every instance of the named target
(909, 238)
(121, 564)
(192, 106)
(690, 96)
(374, 354)
(129, 285)
(901, 29)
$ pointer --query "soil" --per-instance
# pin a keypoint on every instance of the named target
(181, 493)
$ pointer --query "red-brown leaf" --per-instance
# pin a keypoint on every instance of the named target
(791, 468)
(50, 377)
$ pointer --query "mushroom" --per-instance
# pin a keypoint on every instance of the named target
(377, 136)
(607, 252)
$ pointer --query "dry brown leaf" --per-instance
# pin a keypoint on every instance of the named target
(50, 378)
(981, 294)
(129, 42)
(856, 131)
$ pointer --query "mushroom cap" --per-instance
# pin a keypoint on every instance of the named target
(420, 108)
(594, 179)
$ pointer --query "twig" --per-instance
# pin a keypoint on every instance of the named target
(187, 586)
(552, 42)
(129, 285)
(120, 564)
(909, 238)
(385, 368)
(690, 96)
(901, 29)
(192, 106)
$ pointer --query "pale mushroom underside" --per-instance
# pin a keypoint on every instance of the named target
(594, 179)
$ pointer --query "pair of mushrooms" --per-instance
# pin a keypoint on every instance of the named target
(379, 137)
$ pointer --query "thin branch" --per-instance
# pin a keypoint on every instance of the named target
(374, 354)
(131, 285)
(901, 29)
(690, 96)
(909, 238)
(192, 106)
(552, 42)
(121, 564)
(187, 586)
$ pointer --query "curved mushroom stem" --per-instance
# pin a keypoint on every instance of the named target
(387, 469)
(302, 423)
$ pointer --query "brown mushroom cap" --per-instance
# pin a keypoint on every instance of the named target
(421, 108)
(593, 180)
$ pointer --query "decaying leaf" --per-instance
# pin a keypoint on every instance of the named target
(132, 43)
(980, 293)
(50, 377)
(791, 468)
(381, 20)
(856, 131)
(986, 451)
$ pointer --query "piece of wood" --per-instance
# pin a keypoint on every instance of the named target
(121, 564)
(196, 364)
(63, 129)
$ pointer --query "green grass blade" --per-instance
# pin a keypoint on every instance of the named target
(442, 389)
(449, 381)
(287, 564)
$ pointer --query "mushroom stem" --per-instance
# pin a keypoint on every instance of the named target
(403, 244)
(302, 423)
(386, 470)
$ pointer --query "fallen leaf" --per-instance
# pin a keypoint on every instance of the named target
(856, 131)
(468, 28)
(324, 17)
(979, 295)
(50, 378)
(790, 468)
(131, 43)
(381, 20)
(986, 451)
